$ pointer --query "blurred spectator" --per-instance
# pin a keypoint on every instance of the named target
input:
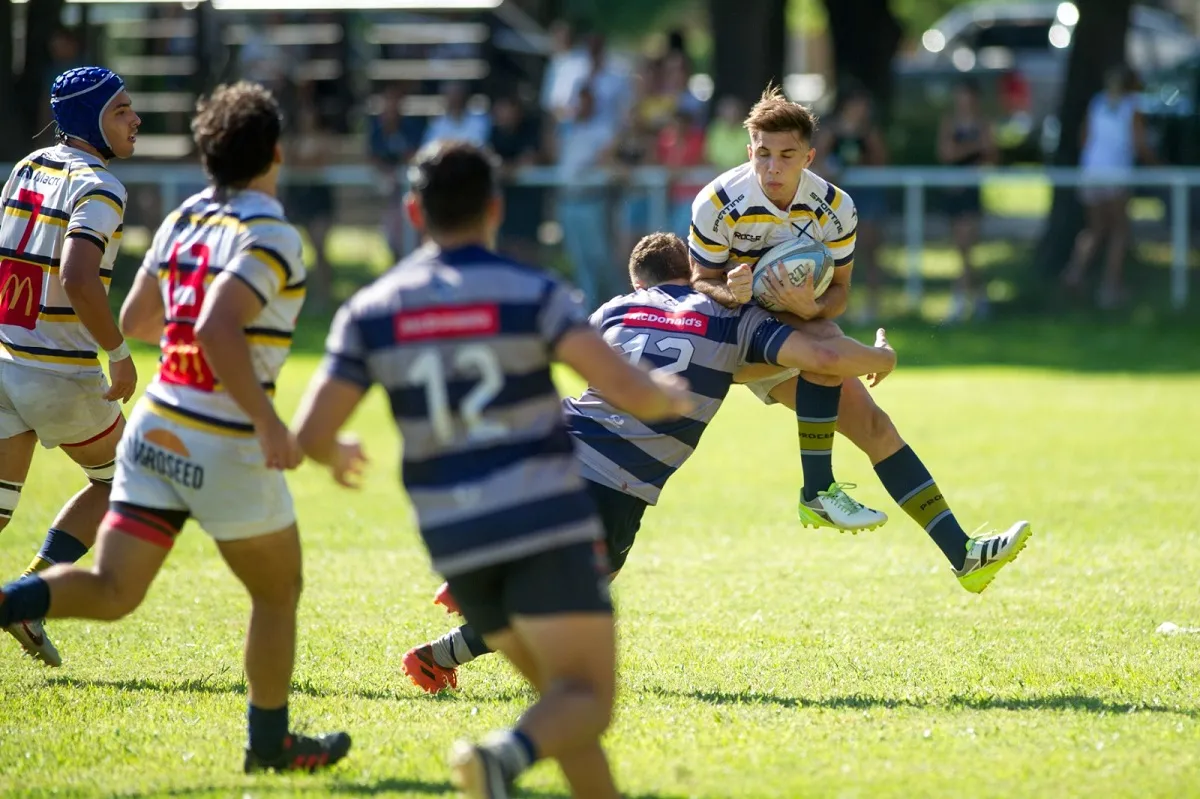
(260, 59)
(585, 144)
(611, 89)
(653, 104)
(567, 66)
(310, 201)
(680, 147)
(458, 123)
(726, 141)
(515, 139)
(677, 73)
(965, 139)
(853, 139)
(1114, 136)
(633, 147)
(392, 140)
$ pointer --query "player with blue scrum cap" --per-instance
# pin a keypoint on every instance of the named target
(736, 219)
(59, 235)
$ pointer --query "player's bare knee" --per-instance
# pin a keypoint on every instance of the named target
(120, 597)
(821, 380)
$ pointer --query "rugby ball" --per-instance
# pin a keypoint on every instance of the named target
(795, 260)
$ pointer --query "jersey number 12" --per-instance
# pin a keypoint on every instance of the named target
(429, 368)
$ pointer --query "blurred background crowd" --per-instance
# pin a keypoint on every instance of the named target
(610, 116)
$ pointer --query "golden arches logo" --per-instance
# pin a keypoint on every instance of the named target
(10, 293)
(183, 358)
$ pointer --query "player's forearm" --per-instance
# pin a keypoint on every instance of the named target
(89, 300)
(228, 354)
(833, 301)
(716, 288)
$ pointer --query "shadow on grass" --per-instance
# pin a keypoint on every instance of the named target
(357, 788)
(213, 684)
(1053, 702)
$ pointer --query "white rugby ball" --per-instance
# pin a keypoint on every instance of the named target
(794, 260)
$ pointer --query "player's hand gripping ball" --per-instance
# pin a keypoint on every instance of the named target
(794, 261)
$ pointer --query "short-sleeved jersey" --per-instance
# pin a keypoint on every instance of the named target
(53, 195)
(462, 341)
(680, 331)
(734, 223)
(244, 234)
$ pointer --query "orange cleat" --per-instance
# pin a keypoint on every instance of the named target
(425, 673)
(442, 597)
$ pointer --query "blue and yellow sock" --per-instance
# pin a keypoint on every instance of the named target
(25, 599)
(59, 547)
(913, 488)
(816, 421)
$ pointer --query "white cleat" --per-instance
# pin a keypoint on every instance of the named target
(837, 509)
(987, 555)
(31, 635)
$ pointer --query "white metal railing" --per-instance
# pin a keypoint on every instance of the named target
(174, 179)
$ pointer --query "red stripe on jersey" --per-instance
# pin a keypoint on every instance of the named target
(656, 319)
(454, 321)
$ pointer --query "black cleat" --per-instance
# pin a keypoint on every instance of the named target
(302, 753)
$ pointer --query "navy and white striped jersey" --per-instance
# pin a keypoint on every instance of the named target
(677, 330)
(462, 340)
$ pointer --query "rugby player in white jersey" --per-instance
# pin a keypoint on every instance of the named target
(737, 218)
(219, 291)
(59, 235)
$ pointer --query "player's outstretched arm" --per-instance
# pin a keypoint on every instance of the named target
(230, 306)
(80, 278)
(841, 356)
(142, 311)
(326, 407)
(647, 396)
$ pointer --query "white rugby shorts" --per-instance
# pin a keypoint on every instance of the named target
(220, 481)
(60, 408)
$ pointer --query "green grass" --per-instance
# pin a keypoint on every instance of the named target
(757, 659)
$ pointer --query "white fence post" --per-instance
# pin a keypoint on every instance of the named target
(914, 237)
(1180, 250)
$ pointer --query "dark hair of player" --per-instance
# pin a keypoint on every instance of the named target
(454, 181)
(236, 129)
(658, 258)
(775, 113)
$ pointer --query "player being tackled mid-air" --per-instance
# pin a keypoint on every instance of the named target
(667, 325)
(59, 237)
(735, 220)
(219, 290)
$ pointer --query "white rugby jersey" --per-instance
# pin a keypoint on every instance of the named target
(55, 194)
(733, 222)
(245, 234)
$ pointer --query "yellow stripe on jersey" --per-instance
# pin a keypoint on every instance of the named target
(802, 213)
(45, 169)
(838, 194)
(196, 421)
(294, 292)
(700, 242)
(46, 355)
(845, 241)
(270, 259)
(269, 338)
(751, 219)
(57, 315)
(106, 197)
(21, 213)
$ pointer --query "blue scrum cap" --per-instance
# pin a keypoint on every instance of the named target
(78, 100)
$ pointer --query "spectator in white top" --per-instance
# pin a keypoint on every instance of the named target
(458, 123)
(565, 69)
(585, 145)
(611, 88)
(1114, 137)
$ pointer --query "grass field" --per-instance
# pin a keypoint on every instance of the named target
(758, 659)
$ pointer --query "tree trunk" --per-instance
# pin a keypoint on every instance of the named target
(32, 89)
(1099, 43)
(748, 46)
(865, 36)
